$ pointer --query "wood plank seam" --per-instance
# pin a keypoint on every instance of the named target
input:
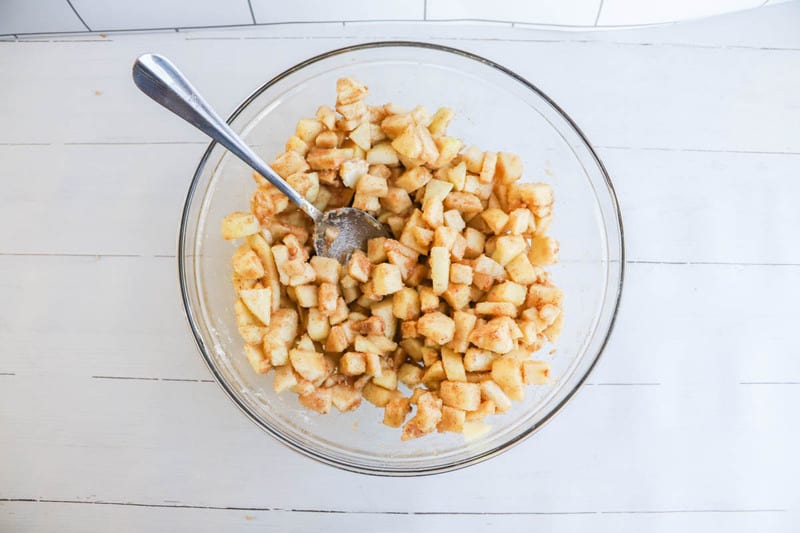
(701, 150)
(137, 378)
(769, 383)
(386, 512)
(597, 146)
(602, 384)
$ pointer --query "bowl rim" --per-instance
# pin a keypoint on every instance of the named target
(359, 468)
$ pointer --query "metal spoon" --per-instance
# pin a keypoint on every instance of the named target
(159, 79)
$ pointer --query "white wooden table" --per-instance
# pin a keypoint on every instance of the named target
(109, 420)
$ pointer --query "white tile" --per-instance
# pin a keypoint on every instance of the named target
(146, 14)
(339, 10)
(635, 12)
(556, 12)
(43, 16)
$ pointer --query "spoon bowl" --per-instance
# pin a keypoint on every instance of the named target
(345, 229)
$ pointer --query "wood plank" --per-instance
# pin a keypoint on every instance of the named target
(122, 316)
(705, 325)
(706, 207)
(108, 199)
(707, 446)
(677, 206)
(655, 93)
(655, 90)
(85, 316)
(88, 518)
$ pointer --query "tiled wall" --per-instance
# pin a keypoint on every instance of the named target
(23, 17)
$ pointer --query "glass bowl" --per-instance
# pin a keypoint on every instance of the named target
(495, 109)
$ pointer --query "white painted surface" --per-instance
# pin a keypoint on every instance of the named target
(268, 11)
(24, 16)
(61, 516)
(109, 418)
(553, 12)
(104, 15)
(631, 12)
(57, 16)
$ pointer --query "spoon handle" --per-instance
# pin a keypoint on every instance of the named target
(159, 79)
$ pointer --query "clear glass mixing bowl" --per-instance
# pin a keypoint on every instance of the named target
(495, 109)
